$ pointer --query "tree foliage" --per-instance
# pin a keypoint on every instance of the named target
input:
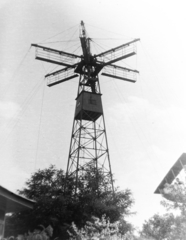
(176, 196)
(96, 229)
(58, 204)
(169, 226)
(165, 227)
(158, 227)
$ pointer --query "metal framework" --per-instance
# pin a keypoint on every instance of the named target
(88, 147)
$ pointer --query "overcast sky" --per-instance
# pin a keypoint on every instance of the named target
(145, 121)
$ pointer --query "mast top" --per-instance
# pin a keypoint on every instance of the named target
(82, 30)
(88, 65)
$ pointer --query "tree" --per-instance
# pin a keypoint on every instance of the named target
(46, 187)
(165, 227)
(176, 196)
(58, 204)
(169, 226)
(176, 200)
(158, 227)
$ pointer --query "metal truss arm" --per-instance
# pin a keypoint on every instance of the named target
(121, 73)
(55, 56)
(59, 76)
(118, 53)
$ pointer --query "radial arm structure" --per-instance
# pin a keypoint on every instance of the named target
(89, 152)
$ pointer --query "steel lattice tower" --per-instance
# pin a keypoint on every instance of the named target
(88, 147)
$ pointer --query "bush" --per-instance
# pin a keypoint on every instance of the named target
(98, 229)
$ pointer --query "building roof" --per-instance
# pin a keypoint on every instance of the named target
(173, 172)
(11, 202)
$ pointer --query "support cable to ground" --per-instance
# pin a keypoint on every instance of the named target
(39, 130)
(15, 72)
(18, 115)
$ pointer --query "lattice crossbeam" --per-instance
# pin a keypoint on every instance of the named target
(121, 73)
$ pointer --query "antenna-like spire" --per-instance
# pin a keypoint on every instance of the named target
(82, 33)
(85, 43)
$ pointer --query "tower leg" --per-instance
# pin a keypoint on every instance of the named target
(89, 159)
(89, 154)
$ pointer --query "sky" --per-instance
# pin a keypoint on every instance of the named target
(145, 121)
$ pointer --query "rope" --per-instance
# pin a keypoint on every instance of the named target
(109, 31)
(76, 49)
(15, 72)
(21, 112)
(111, 39)
(40, 119)
(74, 40)
(58, 34)
(72, 46)
(22, 60)
(99, 45)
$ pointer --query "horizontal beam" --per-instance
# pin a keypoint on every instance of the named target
(56, 51)
(117, 77)
(58, 72)
(62, 80)
(118, 59)
(119, 72)
(53, 61)
(54, 56)
(117, 54)
(60, 76)
(124, 68)
(117, 48)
